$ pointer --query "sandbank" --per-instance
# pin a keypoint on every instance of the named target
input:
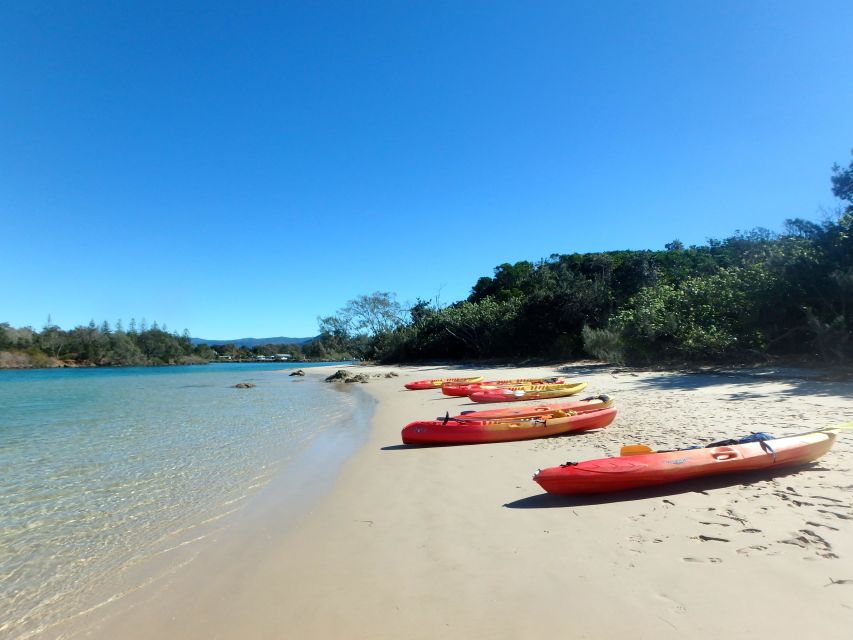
(459, 542)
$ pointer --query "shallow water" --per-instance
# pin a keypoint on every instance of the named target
(102, 469)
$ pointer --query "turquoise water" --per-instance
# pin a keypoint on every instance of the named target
(101, 469)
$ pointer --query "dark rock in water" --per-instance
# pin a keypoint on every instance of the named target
(244, 385)
(298, 372)
(338, 376)
(391, 374)
(345, 376)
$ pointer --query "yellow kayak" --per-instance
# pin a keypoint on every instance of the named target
(435, 383)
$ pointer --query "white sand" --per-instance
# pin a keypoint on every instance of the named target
(459, 542)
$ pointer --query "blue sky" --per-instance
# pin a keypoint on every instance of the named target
(239, 169)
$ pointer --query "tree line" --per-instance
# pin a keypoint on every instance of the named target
(754, 295)
(98, 345)
(138, 345)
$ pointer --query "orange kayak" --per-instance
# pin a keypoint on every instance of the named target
(593, 403)
(436, 383)
(452, 431)
(531, 392)
(451, 389)
(646, 469)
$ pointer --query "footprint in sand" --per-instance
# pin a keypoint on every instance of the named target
(829, 499)
(748, 550)
(802, 503)
(836, 514)
(703, 538)
(808, 539)
(731, 515)
(818, 524)
(711, 560)
(842, 581)
(676, 606)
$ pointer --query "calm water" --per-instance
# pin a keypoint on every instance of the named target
(101, 469)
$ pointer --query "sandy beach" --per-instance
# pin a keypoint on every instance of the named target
(459, 542)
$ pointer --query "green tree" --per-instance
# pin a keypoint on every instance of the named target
(509, 280)
(53, 341)
(842, 184)
(706, 317)
(5, 337)
(373, 314)
(123, 350)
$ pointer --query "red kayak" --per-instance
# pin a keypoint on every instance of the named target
(452, 431)
(450, 389)
(436, 383)
(647, 468)
(593, 403)
(529, 392)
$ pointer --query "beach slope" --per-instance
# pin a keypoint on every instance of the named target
(459, 542)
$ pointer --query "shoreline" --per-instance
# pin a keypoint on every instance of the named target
(86, 364)
(459, 542)
(278, 495)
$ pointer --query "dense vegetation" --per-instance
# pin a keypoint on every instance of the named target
(745, 298)
(102, 345)
(98, 346)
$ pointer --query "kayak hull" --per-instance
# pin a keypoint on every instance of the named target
(468, 432)
(436, 383)
(652, 469)
(533, 392)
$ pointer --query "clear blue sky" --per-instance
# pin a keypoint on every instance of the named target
(240, 169)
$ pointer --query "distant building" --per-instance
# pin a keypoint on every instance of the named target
(282, 356)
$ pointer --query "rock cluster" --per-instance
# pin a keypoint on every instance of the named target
(298, 372)
(345, 376)
(244, 385)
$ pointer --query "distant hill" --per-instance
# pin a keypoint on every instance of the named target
(252, 342)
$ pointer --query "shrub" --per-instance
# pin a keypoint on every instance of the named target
(603, 344)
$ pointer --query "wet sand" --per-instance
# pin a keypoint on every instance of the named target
(459, 542)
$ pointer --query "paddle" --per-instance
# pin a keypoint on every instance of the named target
(639, 449)
(836, 428)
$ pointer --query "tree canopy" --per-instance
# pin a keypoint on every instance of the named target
(752, 295)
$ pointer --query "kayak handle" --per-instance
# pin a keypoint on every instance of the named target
(724, 453)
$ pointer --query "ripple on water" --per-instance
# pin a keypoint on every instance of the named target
(103, 470)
